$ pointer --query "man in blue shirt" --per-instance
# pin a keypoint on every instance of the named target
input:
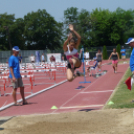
(20, 58)
(123, 53)
(15, 76)
(42, 58)
(130, 42)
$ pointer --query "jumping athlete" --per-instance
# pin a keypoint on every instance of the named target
(99, 59)
(115, 58)
(72, 55)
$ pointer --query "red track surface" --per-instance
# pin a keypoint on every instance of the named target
(66, 98)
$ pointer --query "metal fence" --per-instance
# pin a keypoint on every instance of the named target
(4, 55)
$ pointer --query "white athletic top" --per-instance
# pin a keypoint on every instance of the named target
(69, 53)
(86, 54)
(32, 58)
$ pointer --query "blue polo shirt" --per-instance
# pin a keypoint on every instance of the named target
(132, 61)
(14, 63)
(124, 52)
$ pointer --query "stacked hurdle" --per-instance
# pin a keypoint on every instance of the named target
(23, 76)
(50, 72)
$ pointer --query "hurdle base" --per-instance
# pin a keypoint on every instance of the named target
(85, 82)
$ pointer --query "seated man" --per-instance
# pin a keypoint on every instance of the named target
(95, 64)
(52, 58)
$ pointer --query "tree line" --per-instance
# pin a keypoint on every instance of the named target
(39, 30)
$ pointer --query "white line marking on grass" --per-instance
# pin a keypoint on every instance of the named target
(72, 107)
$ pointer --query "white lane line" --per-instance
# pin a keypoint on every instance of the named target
(81, 106)
(96, 91)
(34, 94)
(80, 92)
(4, 104)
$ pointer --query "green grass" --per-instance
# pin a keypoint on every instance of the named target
(122, 97)
(122, 62)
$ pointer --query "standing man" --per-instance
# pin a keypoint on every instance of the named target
(32, 58)
(123, 53)
(43, 58)
(15, 76)
(87, 56)
(130, 42)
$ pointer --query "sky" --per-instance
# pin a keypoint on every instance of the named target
(56, 8)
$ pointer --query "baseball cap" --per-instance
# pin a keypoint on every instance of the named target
(130, 40)
(16, 48)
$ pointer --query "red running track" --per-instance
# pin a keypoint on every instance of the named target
(67, 99)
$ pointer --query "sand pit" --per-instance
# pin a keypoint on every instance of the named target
(110, 121)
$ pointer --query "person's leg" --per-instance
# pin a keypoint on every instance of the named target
(113, 65)
(74, 62)
(20, 84)
(100, 65)
(116, 65)
(87, 70)
(15, 86)
(70, 75)
(22, 94)
(14, 95)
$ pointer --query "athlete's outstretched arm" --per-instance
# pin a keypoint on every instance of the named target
(78, 36)
(65, 43)
(110, 56)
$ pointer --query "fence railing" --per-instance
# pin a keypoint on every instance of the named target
(4, 55)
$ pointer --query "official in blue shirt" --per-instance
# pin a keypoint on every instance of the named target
(123, 53)
(130, 42)
(15, 76)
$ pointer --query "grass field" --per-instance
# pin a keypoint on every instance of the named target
(122, 97)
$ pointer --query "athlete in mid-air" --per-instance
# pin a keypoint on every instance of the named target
(70, 50)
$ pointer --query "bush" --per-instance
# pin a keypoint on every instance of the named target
(105, 55)
(118, 49)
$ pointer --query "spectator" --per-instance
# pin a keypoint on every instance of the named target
(123, 53)
(43, 58)
(52, 58)
(20, 58)
(32, 58)
(99, 59)
(86, 55)
(62, 58)
(15, 76)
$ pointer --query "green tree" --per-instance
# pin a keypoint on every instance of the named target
(17, 33)
(6, 22)
(42, 31)
(118, 49)
(105, 55)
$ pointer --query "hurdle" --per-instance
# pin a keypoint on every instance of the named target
(23, 76)
(52, 75)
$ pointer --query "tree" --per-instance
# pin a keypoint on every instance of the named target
(5, 24)
(118, 49)
(42, 31)
(105, 55)
(17, 33)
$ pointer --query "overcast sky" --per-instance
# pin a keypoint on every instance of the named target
(56, 8)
